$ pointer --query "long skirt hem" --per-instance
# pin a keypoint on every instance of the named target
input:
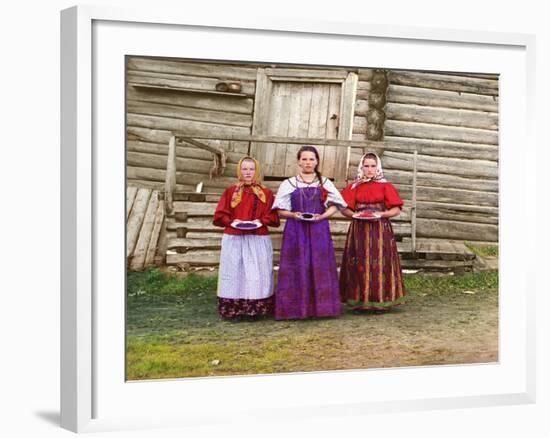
(230, 308)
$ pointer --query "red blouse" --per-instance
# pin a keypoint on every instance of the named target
(248, 209)
(372, 193)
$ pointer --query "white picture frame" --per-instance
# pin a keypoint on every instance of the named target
(94, 397)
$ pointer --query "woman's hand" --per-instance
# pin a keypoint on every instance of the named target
(318, 217)
(297, 215)
(236, 221)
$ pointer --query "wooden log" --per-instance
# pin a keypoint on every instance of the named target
(186, 113)
(455, 212)
(187, 179)
(226, 102)
(195, 208)
(442, 98)
(195, 83)
(168, 124)
(359, 124)
(293, 74)
(441, 148)
(130, 197)
(451, 166)
(399, 128)
(439, 81)
(170, 177)
(137, 260)
(437, 265)
(442, 116)
(155, 234)
(365, 74)
(413, 202)
(451, 196)
(441, 180)
(182, 151)
(361, 107)
(220, 70)
(155, 185)
(446, 229)
(153, 161)
(135, 220)
(442, 249)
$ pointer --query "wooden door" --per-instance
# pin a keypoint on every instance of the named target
(307, 104)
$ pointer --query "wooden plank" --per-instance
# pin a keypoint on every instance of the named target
(346, 125)
(458, 212)
(155, 185)
(227, 102)
(264, 88)
(446, 229)
(333, 116)
(318, 117)
(441, 180)
(130, 197)
(278, 125)
(180, 81)
(195, 208)
(365, 74)
(298, 127)
(182, 151)
(184, 178)
(456, 196)
(393, 143)
(133, 225)
(154, 161)
(155, 234)
(452, 166)
(186, 113)
(219, 70)
(442, 98)
(137, 259)
(171, 168)
(168, 124)
(399, 128)
(290, 74)
(444, 82)
(413, 203)
(441, 148)
(442, 116)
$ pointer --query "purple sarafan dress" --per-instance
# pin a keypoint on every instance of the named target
(308, 279)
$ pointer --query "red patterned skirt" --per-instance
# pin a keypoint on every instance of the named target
(370, 274)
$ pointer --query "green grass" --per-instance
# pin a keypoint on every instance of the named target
(173, 329)
(483, 250)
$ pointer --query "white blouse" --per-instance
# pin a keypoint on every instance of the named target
(282, 199)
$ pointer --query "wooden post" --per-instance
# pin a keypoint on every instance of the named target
(413, 207)
(170, 184)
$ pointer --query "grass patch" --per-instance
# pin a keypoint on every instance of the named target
(483, 250)
(174, 330)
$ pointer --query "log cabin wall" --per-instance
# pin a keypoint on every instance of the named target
(163, 96)
(452, 120)
(438, 115)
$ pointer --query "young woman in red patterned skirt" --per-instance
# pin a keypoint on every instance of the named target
(370, 274)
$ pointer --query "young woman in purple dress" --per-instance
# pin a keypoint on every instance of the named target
(308, 279)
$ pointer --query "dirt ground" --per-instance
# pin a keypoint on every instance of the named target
(181, 337)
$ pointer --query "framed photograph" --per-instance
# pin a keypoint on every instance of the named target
(425, 99)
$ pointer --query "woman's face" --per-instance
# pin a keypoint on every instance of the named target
(248, 169)
(369, 167)
(307, 162)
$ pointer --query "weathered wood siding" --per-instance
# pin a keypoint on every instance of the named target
(165, 95)
(144, 225)
(452, 120)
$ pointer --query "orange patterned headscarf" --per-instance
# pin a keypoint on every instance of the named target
(255, 185)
